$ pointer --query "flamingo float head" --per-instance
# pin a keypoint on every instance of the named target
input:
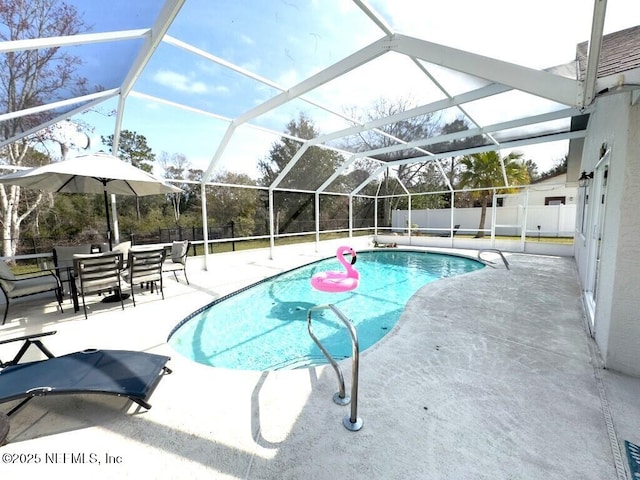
(332, 281)
(351, 271)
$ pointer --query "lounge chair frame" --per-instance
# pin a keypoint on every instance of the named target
(107, 362)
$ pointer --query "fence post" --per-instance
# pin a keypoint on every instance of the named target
(233, 244)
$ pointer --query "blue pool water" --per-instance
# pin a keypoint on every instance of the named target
(264, 327)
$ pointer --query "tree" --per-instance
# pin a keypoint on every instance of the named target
(415, 128)
(451, 166)
(315, 166)
(560, 166)
(484, 170)
(175, 167)
(532, 169)
(133, 148)
(29, 78)
(234, 204)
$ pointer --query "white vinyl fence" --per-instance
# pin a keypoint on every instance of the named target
(543, 220)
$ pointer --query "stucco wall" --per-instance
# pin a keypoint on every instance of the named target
(624, 335)
(617, 322)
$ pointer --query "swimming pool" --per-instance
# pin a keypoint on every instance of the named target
(264, 326)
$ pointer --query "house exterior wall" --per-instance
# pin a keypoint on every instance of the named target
(616, 319)
(552, 187)
(624, 354)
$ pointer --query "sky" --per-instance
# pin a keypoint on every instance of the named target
(286, 41)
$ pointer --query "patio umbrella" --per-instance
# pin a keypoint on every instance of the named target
(93, 173)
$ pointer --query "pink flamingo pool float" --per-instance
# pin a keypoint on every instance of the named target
(333, 281)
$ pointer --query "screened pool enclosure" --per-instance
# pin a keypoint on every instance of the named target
(333, 117)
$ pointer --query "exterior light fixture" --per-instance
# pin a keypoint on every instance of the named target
(603, 149)
(584, 179)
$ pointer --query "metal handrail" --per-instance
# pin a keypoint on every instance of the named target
(489, 262)
(351, 422)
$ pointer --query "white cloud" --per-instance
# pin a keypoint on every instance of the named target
(247, 40)
(179, 82)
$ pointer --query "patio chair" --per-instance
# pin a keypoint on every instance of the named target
(63, 262)
(144, 266)
(123, 373)
(97, 273)
(123, 248)
(449, 234)
(178, 260)
(100, 247)
(17, 286)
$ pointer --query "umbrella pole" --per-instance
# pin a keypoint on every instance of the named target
(106, 208)
(118, 295)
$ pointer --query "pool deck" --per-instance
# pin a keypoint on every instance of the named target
(488, 375)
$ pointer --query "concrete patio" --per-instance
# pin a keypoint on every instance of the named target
(489, 375)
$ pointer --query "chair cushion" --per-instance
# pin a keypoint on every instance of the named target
(179, 250)
(6, 273)
(94, 285)
(172, 267)
(152, 277)
(31, 285)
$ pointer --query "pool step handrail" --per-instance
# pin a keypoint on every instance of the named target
(489, 262)
(351, 422)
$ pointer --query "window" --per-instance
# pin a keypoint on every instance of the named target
(584, 206)
(555, 200)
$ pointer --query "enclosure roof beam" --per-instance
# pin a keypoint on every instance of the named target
(168, 13)
(544, 117)
(378, 20)
(242, 71)
(103, 95)
(253, 76)
(366, 54)
(369, 179)
(595, 44)
(374, 16)
(468, 151)
(537, 82)
(55, 119)
(70, 40)
(489, 90)
(345, 65)
(488, 148)
(341, 169)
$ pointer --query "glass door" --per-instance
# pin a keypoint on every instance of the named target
(596, 235)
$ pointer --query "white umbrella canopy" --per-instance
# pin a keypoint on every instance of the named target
(93, 173)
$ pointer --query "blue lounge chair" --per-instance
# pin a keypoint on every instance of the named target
(123, 373)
